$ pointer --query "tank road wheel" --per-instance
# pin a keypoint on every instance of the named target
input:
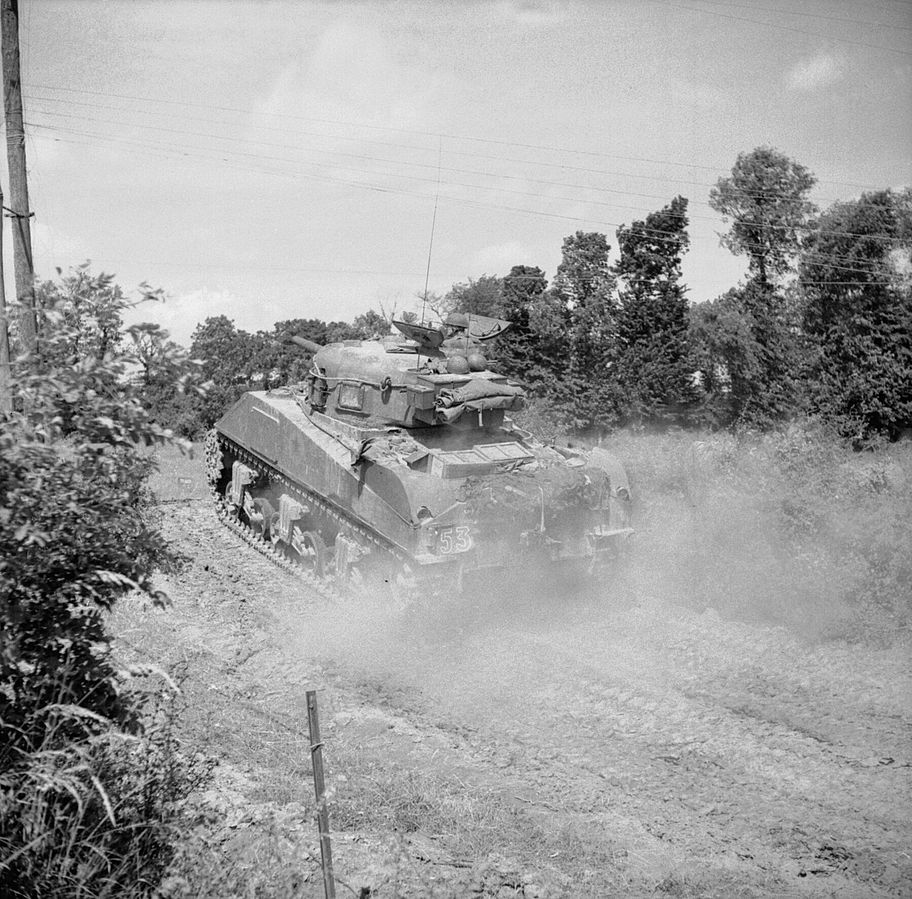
(261, 522)
(311, 550)
(275, 538)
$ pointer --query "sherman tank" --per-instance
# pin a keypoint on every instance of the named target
(398, 456)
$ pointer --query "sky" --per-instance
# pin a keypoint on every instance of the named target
(275, 160)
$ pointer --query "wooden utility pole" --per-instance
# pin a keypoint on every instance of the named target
(15, 154)
(6, 398)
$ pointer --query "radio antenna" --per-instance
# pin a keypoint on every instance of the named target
(427, 274)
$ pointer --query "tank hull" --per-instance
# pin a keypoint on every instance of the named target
(339, 498)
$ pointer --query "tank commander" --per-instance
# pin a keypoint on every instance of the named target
(457, 338)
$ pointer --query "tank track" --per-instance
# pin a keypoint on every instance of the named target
(215, 445)
(244, 531)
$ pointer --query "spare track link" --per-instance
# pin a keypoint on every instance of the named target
(216, 444)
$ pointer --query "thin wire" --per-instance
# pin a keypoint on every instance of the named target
(654, 233)
(487, 174)
(483, 140)
(427, 275)
(722, 15)
(334, 166)
(321, 134)
(183, 154)
(807, 15)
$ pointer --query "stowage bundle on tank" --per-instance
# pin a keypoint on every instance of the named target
(397, 456)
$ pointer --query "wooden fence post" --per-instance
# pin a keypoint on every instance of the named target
(316, 758)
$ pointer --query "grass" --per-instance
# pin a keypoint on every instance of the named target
(793, 528)
(180, 475)
(96, 812)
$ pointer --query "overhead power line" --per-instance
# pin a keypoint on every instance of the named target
(304, 270)
(170, 152)
(817, 34)
(430, 166)
(424, 133)
(425, 179)
(807, 15)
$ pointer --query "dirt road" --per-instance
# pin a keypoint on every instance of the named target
(535, 745)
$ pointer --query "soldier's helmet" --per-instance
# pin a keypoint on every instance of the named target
(457, 321)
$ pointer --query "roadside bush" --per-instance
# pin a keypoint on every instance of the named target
(90, 782)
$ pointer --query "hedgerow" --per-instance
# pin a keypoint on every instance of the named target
(92, 779)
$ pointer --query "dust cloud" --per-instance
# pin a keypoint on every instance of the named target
(498, 654)
(502, 648)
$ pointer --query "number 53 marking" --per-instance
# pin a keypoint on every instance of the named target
(452, 540)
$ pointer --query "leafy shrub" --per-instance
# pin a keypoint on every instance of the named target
(89, 777)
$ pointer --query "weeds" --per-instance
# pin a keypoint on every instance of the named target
(794, 527)
(94, 811)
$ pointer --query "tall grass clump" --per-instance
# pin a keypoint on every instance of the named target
(95, 809)
(91, 779)
(794, 526)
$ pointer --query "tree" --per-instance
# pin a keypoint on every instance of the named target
(855, 276)
(481, 296)
(584, 285)
(522, 289)
(279, 361)
(371, 324)
(765, 197)
(73, 536)
(170, 383)
(584, 272)
(547, 374)
(746, 355)
(88, 307)
(229, 359)
(653, 366)
(766, 200)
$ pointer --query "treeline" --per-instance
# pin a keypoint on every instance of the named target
(227, 361)
(822, 325)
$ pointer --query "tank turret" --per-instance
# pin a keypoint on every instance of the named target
(422, 379)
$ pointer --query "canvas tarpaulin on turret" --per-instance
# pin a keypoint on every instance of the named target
(477, 396)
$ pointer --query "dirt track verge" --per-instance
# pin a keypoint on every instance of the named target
(532, 745)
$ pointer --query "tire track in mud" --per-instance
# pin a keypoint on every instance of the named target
(690, 742)
(699, 764)
(766, 787)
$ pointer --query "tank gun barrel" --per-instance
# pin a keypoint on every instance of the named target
(305, 344)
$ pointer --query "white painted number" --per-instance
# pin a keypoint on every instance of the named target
(454, 540)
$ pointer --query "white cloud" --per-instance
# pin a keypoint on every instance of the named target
(817, 72)
(179, 315)
(500, 258)
(353, 75)
(533, 13)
